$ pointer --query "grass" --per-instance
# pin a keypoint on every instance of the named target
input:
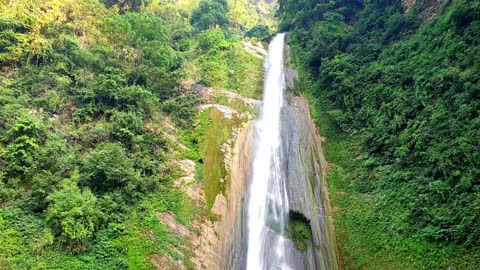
(233, 69)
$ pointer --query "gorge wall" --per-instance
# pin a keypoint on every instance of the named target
(306, 183)
(305, 164)
(218, 239)
(306, 176)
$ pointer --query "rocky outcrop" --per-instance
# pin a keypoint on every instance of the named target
(427, 9)
(227, 208)
(210, 237)
(227, 111)
(257, 51)
(306, 178)
(306, 183)
(208, 94)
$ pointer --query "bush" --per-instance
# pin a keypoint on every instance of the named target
(74, 216)
(183, 109)
(210, 14)
(107, 168)
(24, 137)
(259, 31)
(126, 126)
(136, 98)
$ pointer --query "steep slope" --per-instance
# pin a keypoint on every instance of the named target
(396, 91)
(95, 125)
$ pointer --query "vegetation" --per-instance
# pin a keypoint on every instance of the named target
(74, 216)
(259, 31)
(91, 105)
(299, 231)
(397, 95)
(210, 14)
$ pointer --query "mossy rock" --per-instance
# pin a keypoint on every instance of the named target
(299, 230)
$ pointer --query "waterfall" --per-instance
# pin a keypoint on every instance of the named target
(267, 208)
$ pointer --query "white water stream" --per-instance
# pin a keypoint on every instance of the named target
(267, 198)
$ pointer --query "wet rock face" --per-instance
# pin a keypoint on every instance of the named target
(291, 74)
(306, 181)
(304, 162)
(304, 169)
(233, 243)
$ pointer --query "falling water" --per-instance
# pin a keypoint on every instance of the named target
(267, 199)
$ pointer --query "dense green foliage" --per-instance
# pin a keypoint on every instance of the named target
(210, 14)
(299, 230)
(406, 87)
(91, 102)
(259, 31)
(74, 216)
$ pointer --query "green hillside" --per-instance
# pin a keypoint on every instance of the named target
(397, 95)
(91, 113)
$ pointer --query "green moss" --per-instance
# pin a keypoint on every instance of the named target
(206, 146)
(199, 172)
(299, 231)
(230, 67)
(216, 131)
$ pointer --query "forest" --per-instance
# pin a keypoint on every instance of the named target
(91, 111)
(396, 89)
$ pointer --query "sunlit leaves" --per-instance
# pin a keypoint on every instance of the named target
(74, 216)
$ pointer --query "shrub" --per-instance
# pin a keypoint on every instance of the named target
(106, 168)
(299, 231)
(259, 31)
(24, 137)
(126, 126)
(74, 216)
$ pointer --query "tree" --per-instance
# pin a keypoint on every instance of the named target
(24, 137)
(259, 31)
(74, 216)
(107, 168)
(210, 14)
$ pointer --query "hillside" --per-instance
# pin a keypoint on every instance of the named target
(96, 125)
(396, 92)
(126, 133)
